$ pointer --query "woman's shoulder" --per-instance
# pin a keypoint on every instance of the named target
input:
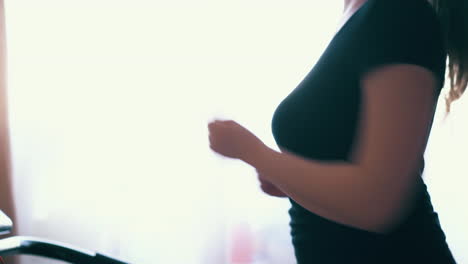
(403, 8)
(402, 31)
(405, 16)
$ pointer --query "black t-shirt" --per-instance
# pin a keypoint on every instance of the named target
(318, 120)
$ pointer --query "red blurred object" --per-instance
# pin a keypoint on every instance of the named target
(242, 247)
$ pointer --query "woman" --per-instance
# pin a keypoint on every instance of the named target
(353, 133)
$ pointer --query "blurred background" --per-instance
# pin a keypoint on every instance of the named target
(108, 105)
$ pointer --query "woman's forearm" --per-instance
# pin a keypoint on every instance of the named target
(336, 190)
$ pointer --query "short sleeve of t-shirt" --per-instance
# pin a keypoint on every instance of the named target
(402, 36)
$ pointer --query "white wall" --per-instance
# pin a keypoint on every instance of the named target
(446, 174)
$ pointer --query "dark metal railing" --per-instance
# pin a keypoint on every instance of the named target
(18, 245)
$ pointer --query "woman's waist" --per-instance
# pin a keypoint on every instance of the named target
(421, 220)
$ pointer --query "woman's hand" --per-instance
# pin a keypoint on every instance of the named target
(232, 140)
(269, 188)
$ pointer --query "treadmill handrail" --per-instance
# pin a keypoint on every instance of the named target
(52, 249)
(5, 223)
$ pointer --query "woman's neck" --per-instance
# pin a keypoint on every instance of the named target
(351, 5)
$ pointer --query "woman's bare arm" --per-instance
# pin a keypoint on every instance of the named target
(375, 190)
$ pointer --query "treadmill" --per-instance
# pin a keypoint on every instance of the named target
(18, 245)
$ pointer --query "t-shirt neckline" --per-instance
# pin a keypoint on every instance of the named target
(351, 18)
